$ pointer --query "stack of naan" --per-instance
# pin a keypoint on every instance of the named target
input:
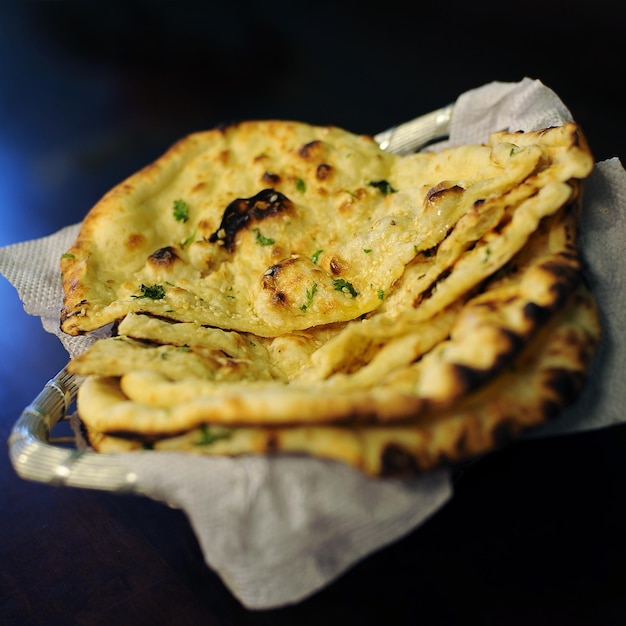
(276, 287)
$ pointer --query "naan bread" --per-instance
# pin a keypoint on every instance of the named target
(280, 287)
(546, 377)
(271, 227)
(201, 373)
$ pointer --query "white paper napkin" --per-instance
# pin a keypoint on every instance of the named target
(278, 529)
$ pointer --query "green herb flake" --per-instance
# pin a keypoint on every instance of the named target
(186, 242)
(316, 255)
(367, 250)
(154, 292)
(383, 186)
(261, 240)
(209, 436)
(341, 284)
(300, 185)
(310, 294)
(181, 211)
(68, 255)
(381, 294)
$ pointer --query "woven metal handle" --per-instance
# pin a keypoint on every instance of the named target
(34, 458)
(413, 135)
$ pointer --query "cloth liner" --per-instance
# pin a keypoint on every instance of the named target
(277, 530)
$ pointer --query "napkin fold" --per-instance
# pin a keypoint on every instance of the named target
(277, 530)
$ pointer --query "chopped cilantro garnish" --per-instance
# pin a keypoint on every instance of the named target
(383, 186)
(68, 255)
(316, 255)
(341, 284)
(310, 293)
(181, 211)
(155, 292)
(367, 250)
(300, 185)
(208, 437)
(186, 242)
(261, 240)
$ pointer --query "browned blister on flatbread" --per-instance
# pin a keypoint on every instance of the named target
(280, 287)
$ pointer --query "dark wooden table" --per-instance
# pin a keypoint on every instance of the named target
(90, 92)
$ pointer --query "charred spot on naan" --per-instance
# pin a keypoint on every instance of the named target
(164, 258)
(242, 212)
(397, 461)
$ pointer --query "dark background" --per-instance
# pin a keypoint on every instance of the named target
(91, 92)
